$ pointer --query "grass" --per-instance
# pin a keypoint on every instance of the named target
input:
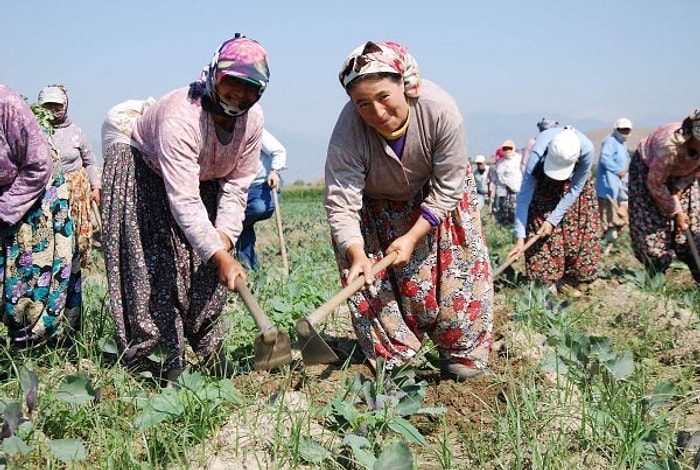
(600, 396)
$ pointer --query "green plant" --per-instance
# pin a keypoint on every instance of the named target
(372, 409)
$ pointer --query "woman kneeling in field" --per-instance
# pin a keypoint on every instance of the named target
(398, 179)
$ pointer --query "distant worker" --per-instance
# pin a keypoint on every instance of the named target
(557, 201)
(79, 163)
(481, 177)
(664, 196)
(260, 206)
(612, 169)
(39, 264)
(507, 179)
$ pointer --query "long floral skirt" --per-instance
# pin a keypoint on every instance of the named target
(571, 253)
(80, 198)
(40, 270)
(445, 291)
(161, 293)
(654, 240)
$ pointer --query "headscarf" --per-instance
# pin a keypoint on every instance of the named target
(695, 122)
(56, 94)
(545, 124)
(239, 57)
(382, 56)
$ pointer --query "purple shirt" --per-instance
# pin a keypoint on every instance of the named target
(26, 162)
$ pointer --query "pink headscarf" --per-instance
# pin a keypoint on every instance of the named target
(382, 56)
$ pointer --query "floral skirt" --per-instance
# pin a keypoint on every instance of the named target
(161, 293)
(654, 241)
(80, 198)
(445, 291)
(571, 252)
(40, 270)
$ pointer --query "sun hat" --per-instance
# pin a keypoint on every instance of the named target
(479, 159)
(623, 123)
(508, 143)
(562, 154)
(53, 94)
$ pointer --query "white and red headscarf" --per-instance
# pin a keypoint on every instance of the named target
(382, 56)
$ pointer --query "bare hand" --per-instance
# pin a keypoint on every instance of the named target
(622, 174)
(404, 245)
(517, 249)
(96, 196)
(545, 230)
(273, 180)
(228, 269)
(682, 221)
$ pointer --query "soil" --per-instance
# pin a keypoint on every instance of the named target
(621, 304)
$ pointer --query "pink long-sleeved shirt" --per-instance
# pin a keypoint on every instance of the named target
(664, 154)
(178, 140)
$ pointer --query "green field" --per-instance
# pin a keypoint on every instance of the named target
(605, 381)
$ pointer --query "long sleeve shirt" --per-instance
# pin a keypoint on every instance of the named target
(360, 162)
(664, 153)
(178, 140)
(614, 158)
(26, 161)
(581, 173)
(76, 153)
(273, 156)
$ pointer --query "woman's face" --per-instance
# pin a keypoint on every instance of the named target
(58, 111)
(237, 93)
(381, 104)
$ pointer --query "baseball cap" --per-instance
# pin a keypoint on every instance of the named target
(563, 152)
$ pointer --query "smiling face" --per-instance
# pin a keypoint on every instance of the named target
(381, 104)
(237, 93)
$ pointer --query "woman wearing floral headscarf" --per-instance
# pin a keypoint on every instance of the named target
(79, 162)
(664, 196)
(398, 179)
(41, 297)
(173, 207)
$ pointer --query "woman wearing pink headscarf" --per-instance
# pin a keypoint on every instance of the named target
(398, 179)
(173, 206)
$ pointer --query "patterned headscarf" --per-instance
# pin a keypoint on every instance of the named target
(239, 57)
(382, 56)
(695, 120)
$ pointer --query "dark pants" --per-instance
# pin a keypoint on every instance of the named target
(260, 207)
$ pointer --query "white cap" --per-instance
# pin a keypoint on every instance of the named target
(563, 152)
(623, 123)
(479, 159)
(53, 94)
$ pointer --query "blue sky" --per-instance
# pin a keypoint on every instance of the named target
(506, 62)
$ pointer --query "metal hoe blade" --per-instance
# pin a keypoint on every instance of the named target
(314, 350)
(272, 349)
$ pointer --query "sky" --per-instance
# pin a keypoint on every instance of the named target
(507, 63)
